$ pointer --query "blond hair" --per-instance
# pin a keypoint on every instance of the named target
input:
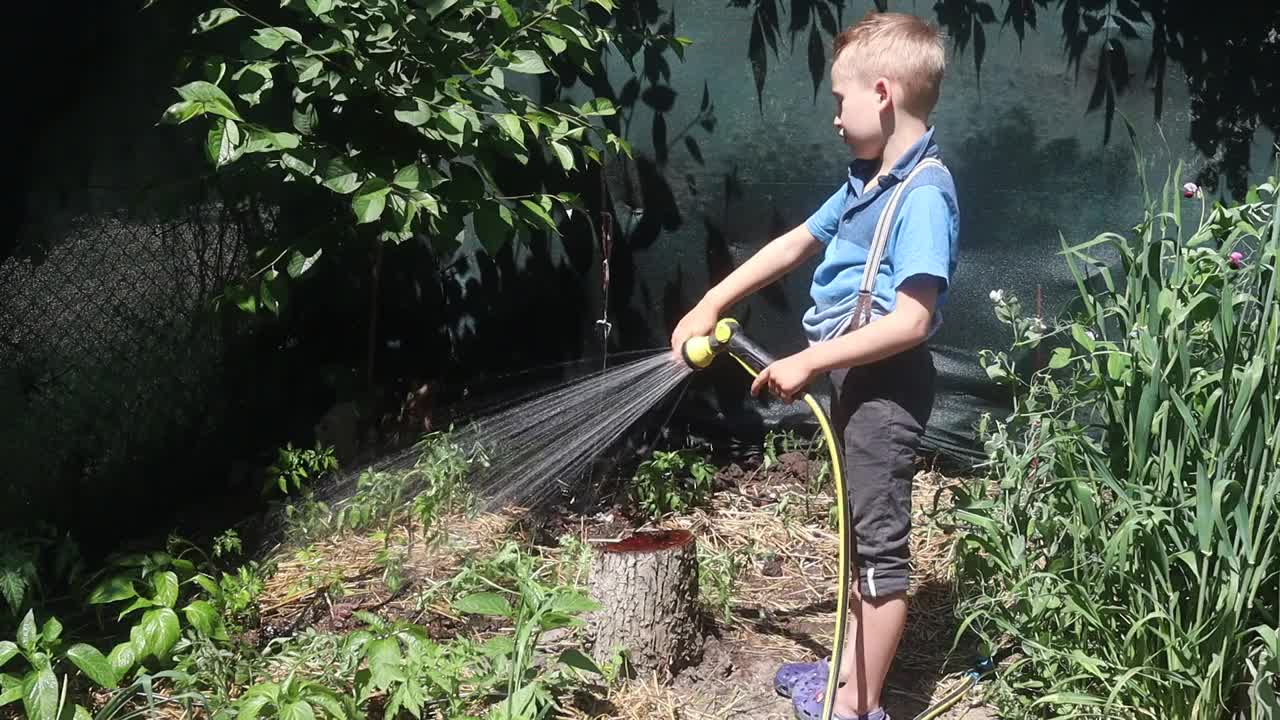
(900, 47)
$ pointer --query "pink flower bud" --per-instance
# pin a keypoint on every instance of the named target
(1190, 190)
(1236, 259)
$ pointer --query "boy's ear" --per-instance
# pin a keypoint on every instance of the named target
(884, 92)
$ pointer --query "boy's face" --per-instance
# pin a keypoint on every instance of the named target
(859, 107)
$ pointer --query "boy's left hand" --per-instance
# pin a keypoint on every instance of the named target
(784, 378)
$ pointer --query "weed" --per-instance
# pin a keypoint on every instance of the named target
(672, 482)
(718, 574)
(293, 466)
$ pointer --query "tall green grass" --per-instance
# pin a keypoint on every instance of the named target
(1125, 543)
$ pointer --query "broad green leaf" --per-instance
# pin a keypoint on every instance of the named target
(122, 658)
(606, 4)
(203, 617)
(51, 631)
(306, 120)
(385, 662)
(81, 714)
(182, 111)
(164, 586)
(320, 7)
(508, 13)
(10, 689)
(211, 97)
(527, 62)
(216, 17)
(93, 664)
(273, 38)
(575, 659)
(435, 7)
(416, 117)
(308, 68)
(1061, 358)
(564, 155)
(485, 603)
(27, 632)
(7, 651)
(370, 200)
(220, 146)
(300, 710)
(494, 225)
(40, 695)
(540, 213)
(598, 106)
(267, 141)
(511, 127)
(555, 44)
(159, 629)
(299, 264)
(137, 604)
(340, 178)
(406, 177)
(252, 705)
(573, 603)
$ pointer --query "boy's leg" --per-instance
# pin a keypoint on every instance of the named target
(880, 412)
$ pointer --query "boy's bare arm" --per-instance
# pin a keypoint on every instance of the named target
(771, 262)
(903, 328)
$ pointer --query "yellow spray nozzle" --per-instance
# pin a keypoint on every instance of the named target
(700, 350)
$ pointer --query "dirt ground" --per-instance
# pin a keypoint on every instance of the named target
(782, 608)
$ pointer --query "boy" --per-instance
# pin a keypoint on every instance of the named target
(885, 75)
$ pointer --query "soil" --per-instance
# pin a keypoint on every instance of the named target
(782, 604)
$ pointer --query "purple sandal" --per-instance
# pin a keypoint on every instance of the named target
(807, 695)
(784, 681)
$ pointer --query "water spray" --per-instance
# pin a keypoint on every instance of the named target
(727, 337)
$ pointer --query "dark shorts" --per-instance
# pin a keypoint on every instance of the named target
(879, 413)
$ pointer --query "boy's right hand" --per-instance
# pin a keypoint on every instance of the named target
(701, 320)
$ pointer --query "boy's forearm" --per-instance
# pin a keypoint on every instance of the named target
(875, 341)
(768, 264)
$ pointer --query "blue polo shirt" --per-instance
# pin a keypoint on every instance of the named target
(923, 240)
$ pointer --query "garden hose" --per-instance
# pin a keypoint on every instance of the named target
(954, 695)
(699, 352)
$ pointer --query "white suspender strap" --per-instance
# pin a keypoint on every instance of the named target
(880, 240)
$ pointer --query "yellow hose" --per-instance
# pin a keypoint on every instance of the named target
(843, 523)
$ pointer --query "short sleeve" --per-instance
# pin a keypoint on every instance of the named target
(826, 220)
(925, 236)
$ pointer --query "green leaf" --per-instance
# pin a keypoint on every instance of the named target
(527, 62)
(508, 13)
(159, 631)
(10, 689)
(51, 631)
(370, 200)
(573, 603)
(40, 695)
(494, 225)
(485, 603)
(137, 604)
(299, 264)
(250, 706)
(27, 633)
(511, 127)
(220, 146)
(564, 155)
(606, 4)
(320, 7)
(1061, 358)
(268, 141)
(211, 96)
(598, 106)
(418, 116)
(308, 68)
(300, 710)
(555, 44)
(340, 178)
(182, 111)
(435, 7)
(164, 586)
(1082, 336)
(216, 17)
(122, 658)
(574, 658)
(92, 663)
(202, 616)
(306, 120)
(406, 177)
(540, 213)
(273, 38)
(7, 651)
(384, 663)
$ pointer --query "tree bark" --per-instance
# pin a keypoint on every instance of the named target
(647, 587)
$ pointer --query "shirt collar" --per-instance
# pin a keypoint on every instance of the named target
(860, 170)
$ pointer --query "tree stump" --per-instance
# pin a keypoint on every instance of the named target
(647, 587)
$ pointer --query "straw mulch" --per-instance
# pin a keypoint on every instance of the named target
(783, 601)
